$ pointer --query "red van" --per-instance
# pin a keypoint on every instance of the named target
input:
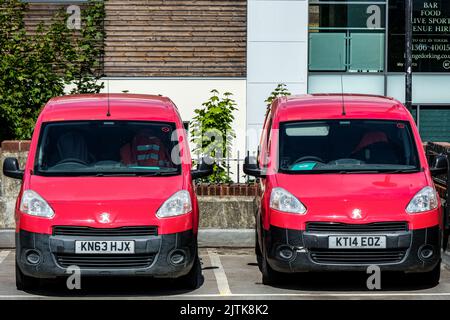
(107, 187)
(345, 185)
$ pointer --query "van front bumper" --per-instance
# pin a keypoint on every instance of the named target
(310, 252)
(151, 257)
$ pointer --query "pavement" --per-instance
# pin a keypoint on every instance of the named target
(229, 274)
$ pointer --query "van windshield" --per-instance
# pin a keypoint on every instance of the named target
(364, 146)
(107, 148)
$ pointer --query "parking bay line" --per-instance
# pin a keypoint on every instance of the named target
(3, 255)
(219, 273)
(237, 295)
(366, 295)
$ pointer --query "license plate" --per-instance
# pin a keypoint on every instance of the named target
(105, 247)
(356, 242)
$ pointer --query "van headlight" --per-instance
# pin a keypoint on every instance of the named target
(283, 200)
(34, 205)
(424, 200)
(176, 205)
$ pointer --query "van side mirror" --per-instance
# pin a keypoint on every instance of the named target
(11, 168)
(439, 165)
(251, 168)
(204, 169)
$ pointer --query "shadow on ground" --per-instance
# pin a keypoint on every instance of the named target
(348, 282)
(112, 287)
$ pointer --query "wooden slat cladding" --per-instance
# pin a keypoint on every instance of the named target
(41, 13)
(45, 13)
(176, 38)
(167, 38)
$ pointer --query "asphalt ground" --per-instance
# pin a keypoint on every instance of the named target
(229, 274)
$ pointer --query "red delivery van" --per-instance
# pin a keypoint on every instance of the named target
(107, 187)
(345, 185)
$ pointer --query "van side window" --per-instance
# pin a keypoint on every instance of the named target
(265, 151)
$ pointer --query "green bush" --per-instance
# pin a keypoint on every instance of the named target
(280, 91)
(89, 50)
(212, 133)
(35, 68)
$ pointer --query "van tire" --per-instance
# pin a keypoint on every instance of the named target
(24, 282)
(192, 280)
(258, 253)
(269, 276)
(430, 278)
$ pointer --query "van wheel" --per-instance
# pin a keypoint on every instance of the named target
(193, 279)
(24, 282)
(269, 276)
(430, 278)
(259, 257)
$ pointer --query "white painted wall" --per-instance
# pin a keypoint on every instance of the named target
(426, 88)
(351, 83)
(277, 52)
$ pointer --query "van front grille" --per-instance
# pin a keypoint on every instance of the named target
(105, 232)
(105, 261)
(381, 227)
(357, 257)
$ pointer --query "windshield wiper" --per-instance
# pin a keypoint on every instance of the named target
(157, 173)
(135, 174)
(401, 171)
(358, 171)
(388, 171)
(107, 174)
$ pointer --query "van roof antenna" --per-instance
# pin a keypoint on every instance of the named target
(342, 96)
(108, 113)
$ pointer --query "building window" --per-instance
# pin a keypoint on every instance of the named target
(433, 122)
(347, 36)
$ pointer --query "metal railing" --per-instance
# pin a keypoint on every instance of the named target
(234, 167)
(432, 150)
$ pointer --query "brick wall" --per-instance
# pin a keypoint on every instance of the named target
(13, 146)
(240, 190)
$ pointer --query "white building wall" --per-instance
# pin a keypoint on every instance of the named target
(427, 88)
(277, 52)
(349, 83)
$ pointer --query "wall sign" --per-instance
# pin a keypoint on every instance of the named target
(431, 36)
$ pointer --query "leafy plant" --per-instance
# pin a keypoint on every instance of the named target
(90, 50)
(212, 132)
(35, 68)
(280, 91)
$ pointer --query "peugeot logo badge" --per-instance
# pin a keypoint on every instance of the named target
(356, 214)
(104, 218)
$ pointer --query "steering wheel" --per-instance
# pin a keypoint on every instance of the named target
(305, 158)
(73, 160)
